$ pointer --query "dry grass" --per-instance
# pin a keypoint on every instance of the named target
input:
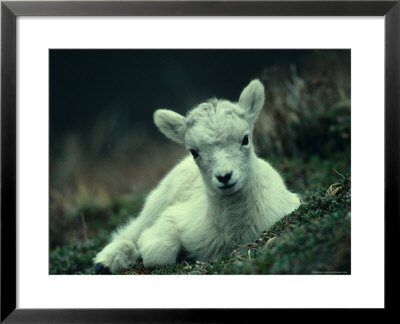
(87, 185)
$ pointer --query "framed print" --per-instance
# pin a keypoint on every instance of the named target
(310, 87)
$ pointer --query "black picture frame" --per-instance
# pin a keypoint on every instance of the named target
(10, 10)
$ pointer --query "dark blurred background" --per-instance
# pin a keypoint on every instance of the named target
(106, 153)
(130, 84)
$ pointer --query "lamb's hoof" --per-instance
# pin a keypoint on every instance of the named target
(99, 268)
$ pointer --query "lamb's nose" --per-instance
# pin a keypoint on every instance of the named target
(225, 178)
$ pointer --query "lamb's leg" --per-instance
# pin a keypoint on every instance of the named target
(159, 245)
(122, 251)
(116, 255)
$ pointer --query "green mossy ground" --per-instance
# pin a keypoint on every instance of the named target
(314, 239)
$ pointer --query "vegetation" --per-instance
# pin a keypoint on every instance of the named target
(313, 239)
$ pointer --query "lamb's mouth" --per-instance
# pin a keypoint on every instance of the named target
(227, 186)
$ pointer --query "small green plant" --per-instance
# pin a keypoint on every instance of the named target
(75, 258)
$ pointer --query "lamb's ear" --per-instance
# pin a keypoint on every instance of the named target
(171, 124)
(252, 100)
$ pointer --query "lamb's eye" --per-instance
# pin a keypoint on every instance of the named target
(194, 153)
(245, 140)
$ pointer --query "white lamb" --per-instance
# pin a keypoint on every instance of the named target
(221, 196)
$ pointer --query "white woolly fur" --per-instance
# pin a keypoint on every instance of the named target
(222, 196)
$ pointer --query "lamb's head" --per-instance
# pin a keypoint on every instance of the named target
(218, 133)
